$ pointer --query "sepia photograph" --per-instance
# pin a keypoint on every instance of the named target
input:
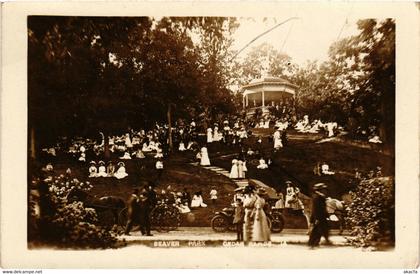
(237, 133)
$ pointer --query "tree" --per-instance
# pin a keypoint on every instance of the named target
(72, 74)
(280, 64)
(108, 74)
(356, 86)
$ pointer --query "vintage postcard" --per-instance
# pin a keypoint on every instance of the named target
(210, 135)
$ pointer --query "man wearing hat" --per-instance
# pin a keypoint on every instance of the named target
(318, 220)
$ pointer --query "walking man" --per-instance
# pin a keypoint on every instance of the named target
(318, 220)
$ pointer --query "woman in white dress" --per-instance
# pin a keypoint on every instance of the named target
(93, 171)
(216, 134)
(102, 170)
(127, 141)
(290, 195)
(262, 164)
(234, 170)
(181, 146)
(197, 200)
(146, 148)
(139, 154)
(277, 139)
(159, 153)
(159, 164)
(209, 135)
(126, 156)
(82, 157)
(260, 229)
(325, 169)
(248, 202)
(121, 173)
(204, 161)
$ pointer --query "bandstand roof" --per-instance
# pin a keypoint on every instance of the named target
(270, 84)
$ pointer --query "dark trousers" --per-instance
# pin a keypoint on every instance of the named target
(145, 224)
(239, 231)
(320, 229)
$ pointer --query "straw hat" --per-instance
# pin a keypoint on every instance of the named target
(320, 186)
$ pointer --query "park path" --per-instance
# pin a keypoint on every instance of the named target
(271, 192)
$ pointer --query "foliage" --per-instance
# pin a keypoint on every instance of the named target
(356, 86)
(108, 74)
(59, 222)
(371, 213)
(256, 61)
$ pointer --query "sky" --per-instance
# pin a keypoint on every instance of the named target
(306, 38)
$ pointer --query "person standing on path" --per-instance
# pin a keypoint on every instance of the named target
(204, 160)
(146, 206)
(248, 202)
(238, 220)
(260, 230)
(318, 220)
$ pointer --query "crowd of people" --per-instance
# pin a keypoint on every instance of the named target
(250, 217)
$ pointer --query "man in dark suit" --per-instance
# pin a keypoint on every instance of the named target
(147, 202)
(319, 215)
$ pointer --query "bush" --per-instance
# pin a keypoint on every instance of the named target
(66, 224)
(371, 213)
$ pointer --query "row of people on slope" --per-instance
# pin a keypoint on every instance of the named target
(305, 126)
(238, 170)
(118, 171)
(184, 201)
(227, 134)
(109, 171)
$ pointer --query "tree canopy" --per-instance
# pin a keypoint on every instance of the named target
(90, 74)
(110, 73)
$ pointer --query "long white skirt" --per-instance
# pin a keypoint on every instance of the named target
(234, 172)
(205, 161)
(277, 143)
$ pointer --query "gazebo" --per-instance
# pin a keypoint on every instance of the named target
(268, 92)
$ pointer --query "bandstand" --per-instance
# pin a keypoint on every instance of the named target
(269, 92)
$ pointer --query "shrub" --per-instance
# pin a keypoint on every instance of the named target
(68, 224)
(371, 213)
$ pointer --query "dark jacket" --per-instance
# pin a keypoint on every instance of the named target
(239, 215)
(319, 209)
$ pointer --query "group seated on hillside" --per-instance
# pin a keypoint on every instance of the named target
(108, 171)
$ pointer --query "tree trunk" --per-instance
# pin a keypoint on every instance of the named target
(168, 114)
(106, 146)
(32, 146)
